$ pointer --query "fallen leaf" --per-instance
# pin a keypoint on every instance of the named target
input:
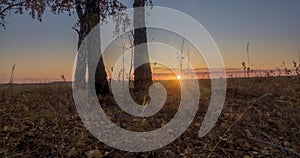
(5, 128)
(72, 152)
(90, 153)
(106, 153)
(97, 153)
(286, 143)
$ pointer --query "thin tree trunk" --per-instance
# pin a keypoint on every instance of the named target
(142, 74)
(81, 56)
(130, 37)
(88, 20)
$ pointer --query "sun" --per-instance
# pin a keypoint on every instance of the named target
(179, 77)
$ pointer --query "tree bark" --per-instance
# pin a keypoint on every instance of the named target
(142, 73)
(88, 19)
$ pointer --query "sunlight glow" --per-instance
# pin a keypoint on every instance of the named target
(179, 77)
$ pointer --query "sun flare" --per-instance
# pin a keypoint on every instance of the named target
(179, 77)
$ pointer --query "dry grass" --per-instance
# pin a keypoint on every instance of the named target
(42, 121)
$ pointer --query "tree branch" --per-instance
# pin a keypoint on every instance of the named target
(11, 6)
(79, 10)
(75, 29)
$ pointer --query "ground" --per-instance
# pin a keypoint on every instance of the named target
(260, 119)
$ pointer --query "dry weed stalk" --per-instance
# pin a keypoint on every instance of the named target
(11, 81)
(63, 78)
(250, 136)
(244, 68)
(236, 121)
(297, 69)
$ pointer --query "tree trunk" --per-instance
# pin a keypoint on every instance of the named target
(142, 73)
(88, 20)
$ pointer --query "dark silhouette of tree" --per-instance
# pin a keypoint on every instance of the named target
(142, 73)
(89, 13)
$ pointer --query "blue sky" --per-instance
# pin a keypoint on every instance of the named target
(44, 50)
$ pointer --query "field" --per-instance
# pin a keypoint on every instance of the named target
(260, 119)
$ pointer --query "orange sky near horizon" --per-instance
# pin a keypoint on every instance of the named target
(43, 51)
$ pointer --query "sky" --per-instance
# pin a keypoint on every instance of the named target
(43, 51)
